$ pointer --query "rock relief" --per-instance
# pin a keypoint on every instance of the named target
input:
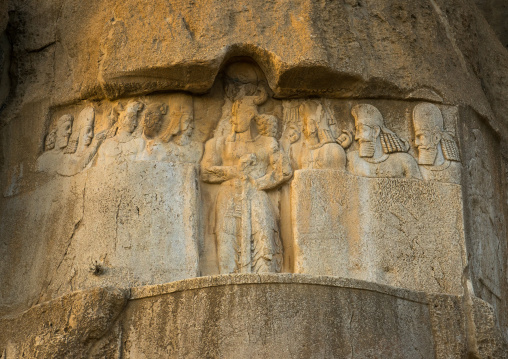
(242, 158)
(319, 149)
(438, 154)
(381, 152)
(124, 144)
(246, 163)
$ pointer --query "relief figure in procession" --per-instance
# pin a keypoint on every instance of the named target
(55, 144)
(122, 144)
(83, 145)
(171, 141)
(318, 149)
(438, 154)
(246, 163)
(381, 152)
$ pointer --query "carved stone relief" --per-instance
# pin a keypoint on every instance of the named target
(438, 154)
(381, 152)
(246, 164)
(124, 144)
(55, 144)
(318, 149)
(251, 160)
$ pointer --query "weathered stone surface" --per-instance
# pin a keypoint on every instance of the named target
(380, 230)
(146, 143)
(362, 48)
(67, 327)
(484, 215)
(246, 316)
(122, 233)
(495, 12)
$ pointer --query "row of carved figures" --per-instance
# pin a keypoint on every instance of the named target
(381, 152)
(68, 151)
(248, 163)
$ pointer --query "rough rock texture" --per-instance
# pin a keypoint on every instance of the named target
(358, 48)
(384, 234)
(246, 316)
(495, 12)
(67, 327)
(143, 143)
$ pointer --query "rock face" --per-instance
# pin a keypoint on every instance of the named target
(252, 179)
(255, 316)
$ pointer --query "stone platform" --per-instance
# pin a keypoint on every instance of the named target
(254, 316)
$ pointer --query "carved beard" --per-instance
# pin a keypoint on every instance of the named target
(427, 156)
(62, 142)
(367, 149)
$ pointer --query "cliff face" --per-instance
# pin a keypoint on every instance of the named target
(147, 143)
(495, 12)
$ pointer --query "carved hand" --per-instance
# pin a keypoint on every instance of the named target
(345, 139)
(222, 172)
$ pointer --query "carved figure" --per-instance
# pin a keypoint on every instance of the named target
(246, 166)
(50, 160)
(124, 145)
(82, 145)
(319, 150)
(381, 152)
(177, 136)
(174, 143)
(152, 123)
(153, 118)
(438, 154)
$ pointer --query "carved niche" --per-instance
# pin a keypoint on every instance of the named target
(237, 181)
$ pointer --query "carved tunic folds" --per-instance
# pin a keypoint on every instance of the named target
(246, 225)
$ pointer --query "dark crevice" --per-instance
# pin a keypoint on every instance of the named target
(42, 48)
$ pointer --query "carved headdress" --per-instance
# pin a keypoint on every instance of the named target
(370, 116)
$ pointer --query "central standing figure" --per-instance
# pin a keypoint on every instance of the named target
(246, 165)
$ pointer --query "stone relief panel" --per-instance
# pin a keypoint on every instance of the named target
(174, 186)
(401, 232)
(381, 152)
(318, 148)
(246, 163)
(438, 153)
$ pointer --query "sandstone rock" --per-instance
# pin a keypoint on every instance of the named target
(63, 328)
(143, 144)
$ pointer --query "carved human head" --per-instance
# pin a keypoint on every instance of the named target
(128, 119)
(428, 124)
(293, 134)
(368, 125)
(268, 125)
(242, 79)
(181, 119)
(83, 130)
(152, 119)
(63, 131)
(87, 118)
